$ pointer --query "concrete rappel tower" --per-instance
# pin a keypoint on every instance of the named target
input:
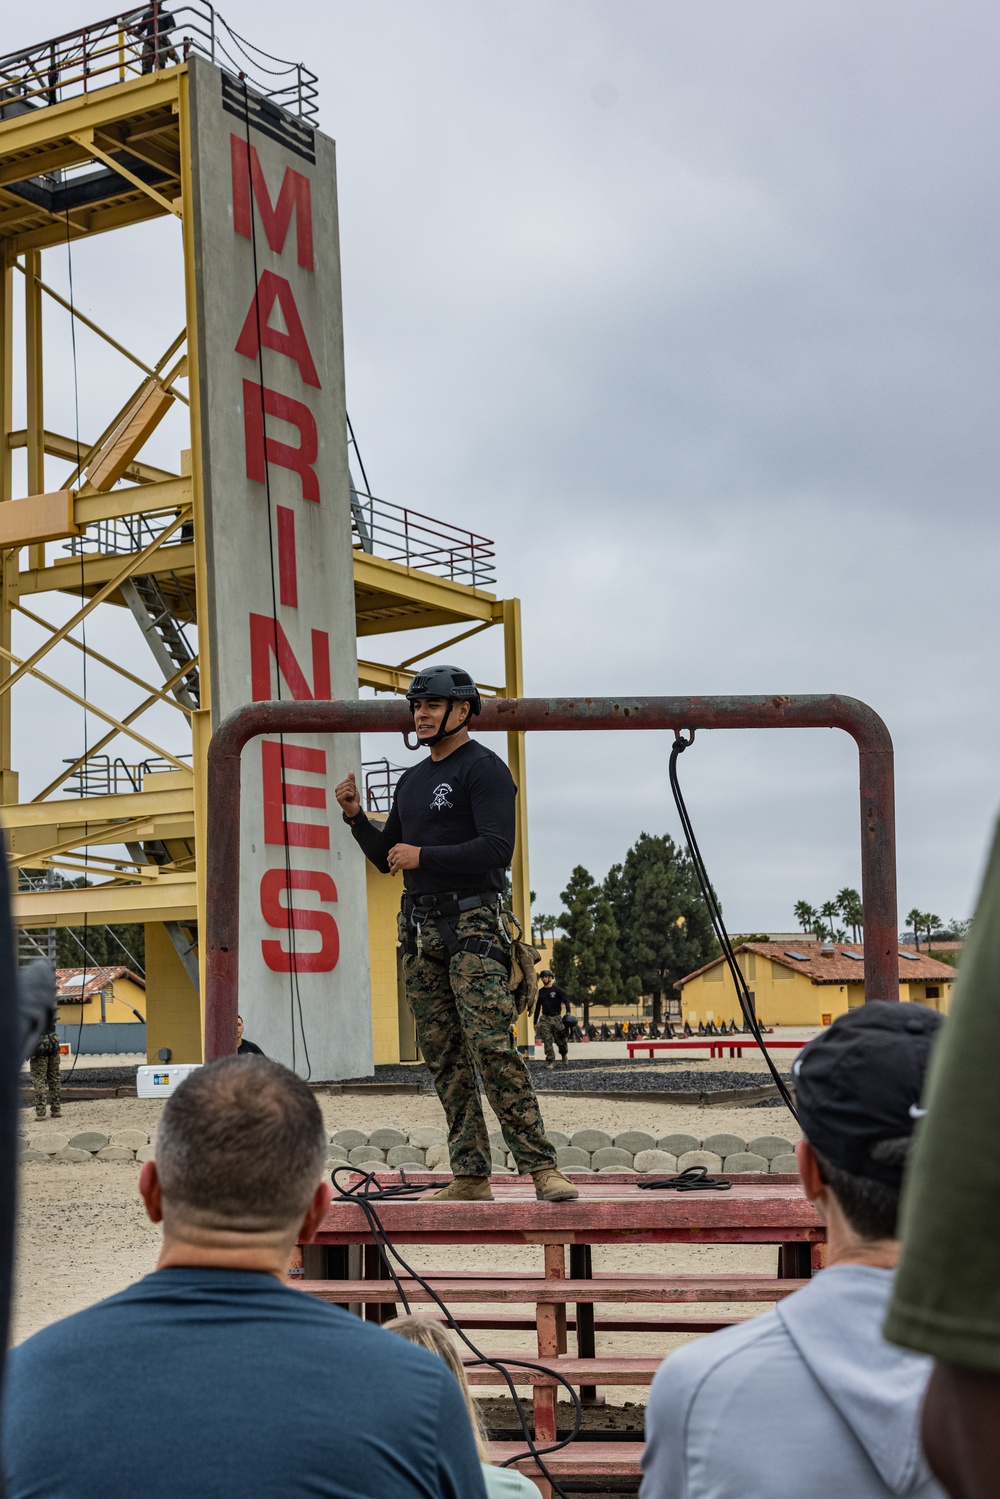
(249, 569)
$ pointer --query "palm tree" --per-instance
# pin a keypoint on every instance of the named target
(805, 915)
(931, 924)
(829, 910)
(851, 909)
(915, 919)
(542, 924)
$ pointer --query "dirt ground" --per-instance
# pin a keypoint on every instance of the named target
(84, 1235)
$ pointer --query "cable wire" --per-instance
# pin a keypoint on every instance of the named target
(83, 621)
(367, 1191)
(680, 744)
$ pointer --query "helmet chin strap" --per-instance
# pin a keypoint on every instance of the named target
(443, 732)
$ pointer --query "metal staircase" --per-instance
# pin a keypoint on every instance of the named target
(164, 634)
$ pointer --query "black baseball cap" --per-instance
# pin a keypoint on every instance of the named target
(861, 1081)
(546, 973)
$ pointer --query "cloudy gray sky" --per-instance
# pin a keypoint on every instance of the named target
(693, 309)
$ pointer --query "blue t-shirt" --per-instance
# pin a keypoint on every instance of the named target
(210, 1383)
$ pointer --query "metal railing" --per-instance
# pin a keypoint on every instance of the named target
(416, 540)
(144, 39)
(105, 775)
(380, 778)
(380, 528)
(126, 534)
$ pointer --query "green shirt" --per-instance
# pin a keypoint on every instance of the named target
(947, 1294)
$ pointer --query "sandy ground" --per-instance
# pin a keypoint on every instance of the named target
(84, 1235)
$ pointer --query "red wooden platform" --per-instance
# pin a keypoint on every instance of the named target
(343, 1266)
(714, 1045)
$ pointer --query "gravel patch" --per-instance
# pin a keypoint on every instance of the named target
(589, 1077)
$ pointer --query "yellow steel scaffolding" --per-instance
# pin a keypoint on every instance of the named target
(95, 137)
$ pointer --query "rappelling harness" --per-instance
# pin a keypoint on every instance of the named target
(442, 911)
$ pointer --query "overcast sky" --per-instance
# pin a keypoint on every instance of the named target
(693, 309)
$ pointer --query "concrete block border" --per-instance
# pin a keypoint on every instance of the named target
(426, 1149)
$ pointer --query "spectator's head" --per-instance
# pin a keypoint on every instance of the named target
(239, 1029)
(442, 1341)
(240, 1154)
(858, 1087)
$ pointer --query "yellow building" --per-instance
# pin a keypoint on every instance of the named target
(110, 996)
(805, 983)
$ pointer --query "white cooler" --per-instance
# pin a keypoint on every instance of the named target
(161, 1080)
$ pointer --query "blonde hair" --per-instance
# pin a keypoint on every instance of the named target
(439, 1339)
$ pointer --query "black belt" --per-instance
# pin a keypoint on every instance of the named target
(448, 903)
(441, 909)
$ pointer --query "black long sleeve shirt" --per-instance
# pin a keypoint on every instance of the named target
(460, 813)
(550, 1001)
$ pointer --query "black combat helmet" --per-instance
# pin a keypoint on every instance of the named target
(448, 682)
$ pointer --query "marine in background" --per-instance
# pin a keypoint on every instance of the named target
(549, 1006)
(450, 834)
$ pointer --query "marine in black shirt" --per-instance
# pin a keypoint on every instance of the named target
(450, 834)
(549, 1024)
(459, 813)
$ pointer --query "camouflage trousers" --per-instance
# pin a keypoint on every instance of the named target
(464, 1013)
(551, 1029)
(46, 1083)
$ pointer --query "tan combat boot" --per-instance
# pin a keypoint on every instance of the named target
(552, 1186)
(465, 1189)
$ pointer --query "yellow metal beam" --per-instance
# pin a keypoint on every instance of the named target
(109, 832)
(86, 139)
(134, 564)
(452, 601)
(39, 518)
(88, 222)
(156, 693)
(87, 322)
(116, 453)
(175, 802)
(57, 446)
(120, 726)
(514, 687)
(95, 749)
(64, 576)
(57, 124)
(122, 412)
(172, 897)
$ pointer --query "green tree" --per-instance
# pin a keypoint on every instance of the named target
(542, 924)
(585, 961)
(663, 924)
(829, 911)
(851, 909)
(805, 915)
(915, 919)
(931, 924)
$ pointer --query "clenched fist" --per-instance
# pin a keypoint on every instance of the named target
(347, 795)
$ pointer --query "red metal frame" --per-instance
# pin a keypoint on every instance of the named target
(517, 715)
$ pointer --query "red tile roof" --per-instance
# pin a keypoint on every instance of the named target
(72, 984)
(833, 967)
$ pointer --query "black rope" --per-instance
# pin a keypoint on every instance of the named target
(718, 925)
(83, 622)
(294, 993)
(691, 1179)
(365, 1192)
(357, 453)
